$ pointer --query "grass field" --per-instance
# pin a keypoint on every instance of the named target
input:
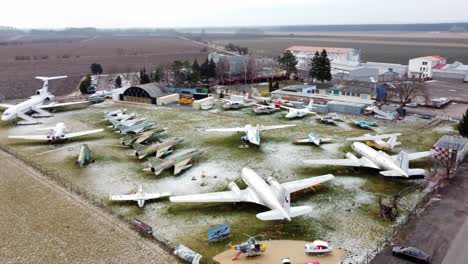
(345, 210)
(391, 48)
(74, 57)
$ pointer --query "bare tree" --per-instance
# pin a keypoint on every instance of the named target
(407, 89)
(447, 155)
(251, 70)
(221, 68)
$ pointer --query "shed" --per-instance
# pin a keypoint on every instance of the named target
(145, 93)
(346, 107)
(197, 104)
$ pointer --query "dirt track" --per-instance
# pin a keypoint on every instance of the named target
(40, 222)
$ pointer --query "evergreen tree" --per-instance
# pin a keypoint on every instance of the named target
(144, 77)
(212, 69)
(96, 68)
(204, 70)
(315, 66)
(84, 85)
(463, 125)
(276, 86)
(288, 62)
(118, 81)
(196, 72)
(157, 75)
(270, 87)
(325, 67)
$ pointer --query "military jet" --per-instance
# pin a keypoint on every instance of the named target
(252, 134)
(143, 138)
(57, 133)
(269, 193)
(140, 197)
(111, 114)
(365, 124)
(180, 161)
(137, 128)
(314, 139)
(162, 148)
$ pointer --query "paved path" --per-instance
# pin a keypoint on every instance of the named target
(441, 230)
(41, 222)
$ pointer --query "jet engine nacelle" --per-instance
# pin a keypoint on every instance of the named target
(233, 187)
(351, 156)
(273, 183)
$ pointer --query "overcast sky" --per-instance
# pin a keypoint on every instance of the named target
(208, 13)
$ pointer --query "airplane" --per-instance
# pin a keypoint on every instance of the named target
(142, 138)
(328, 120)
(252, 134)
(137, 128)
(163, 148)
(57, 133)
(390, 166)
(35, 106)
(140, 197)
(268, 193)
(377, 141)
(365, 124)
(180, 161)
(236, 104)
(314, 139)
(127, 123)
(101, 95)
(265, 109)
(295, 112)
(111, 114)
(121, 118)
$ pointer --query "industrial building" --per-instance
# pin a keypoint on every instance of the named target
(456, 71)
(337, 56)
(422, 67)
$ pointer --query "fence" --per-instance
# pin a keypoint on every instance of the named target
(93, 199)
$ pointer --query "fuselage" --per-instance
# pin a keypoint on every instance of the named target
(263, 191)
(57, 133)
(380, 158)
(12, 113)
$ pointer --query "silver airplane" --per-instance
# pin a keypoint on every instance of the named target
(57, 133)
(180, 161)
(160, 148)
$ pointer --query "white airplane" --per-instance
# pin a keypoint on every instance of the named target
(57, 133)
(295, 112)
(314, 139)
(391, 166)
(140, 197)
(252, 134)
(377, 141)
(268, 193)
(236, 102)
(36, 104)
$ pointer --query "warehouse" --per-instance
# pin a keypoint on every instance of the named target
(145, 93)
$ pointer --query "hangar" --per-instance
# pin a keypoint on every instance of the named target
(145, 93)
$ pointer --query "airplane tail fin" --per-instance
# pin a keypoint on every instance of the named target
(311, 103)
(403, 161)
(392, 141)
(46, 80)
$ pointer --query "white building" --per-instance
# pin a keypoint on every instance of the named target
(338, 56)
(422, 67)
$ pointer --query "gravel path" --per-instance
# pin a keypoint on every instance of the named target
(40, 222)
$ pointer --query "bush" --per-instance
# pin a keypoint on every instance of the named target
(84, 85)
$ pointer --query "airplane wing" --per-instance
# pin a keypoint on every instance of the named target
(54, 105)
(125, 197)
(416, 155)
(179, 166)
(362, 162)
(5, 106)
(287, 108)
(245, 195)
(82, 133)
(263, 128)
(149, 196)
(370, 137)
(162, 150)
(305, 140)
(31, 137)
(234, 129)
(298, 185)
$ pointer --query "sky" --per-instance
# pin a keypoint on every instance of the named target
(218, 13)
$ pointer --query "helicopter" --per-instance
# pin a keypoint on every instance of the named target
(250, 248)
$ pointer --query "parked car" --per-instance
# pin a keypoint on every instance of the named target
(286, 261)
(411, 253)
(413, 105)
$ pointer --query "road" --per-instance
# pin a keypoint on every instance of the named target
(453, 91)
(41, 222)
(441, 230)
